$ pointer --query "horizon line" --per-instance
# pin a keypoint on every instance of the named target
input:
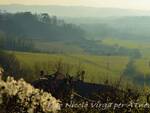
(67, 5)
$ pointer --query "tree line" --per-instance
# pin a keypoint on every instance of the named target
(20, 30)
(39, 26)
(15, 43)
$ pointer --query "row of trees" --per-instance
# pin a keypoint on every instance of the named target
(15, 43)
(39, 26)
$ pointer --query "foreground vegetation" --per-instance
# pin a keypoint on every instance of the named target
(19, 96)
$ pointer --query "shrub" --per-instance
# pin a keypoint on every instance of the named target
(21, 97)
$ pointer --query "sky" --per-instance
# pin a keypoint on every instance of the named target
(127, 4)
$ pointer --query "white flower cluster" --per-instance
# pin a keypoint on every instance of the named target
(28, 96)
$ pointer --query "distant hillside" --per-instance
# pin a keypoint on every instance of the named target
(74, 11)
(129, 27)
(39, 26)
(14, 28)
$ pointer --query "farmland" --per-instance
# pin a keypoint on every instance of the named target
(143, 46)
(98, 68)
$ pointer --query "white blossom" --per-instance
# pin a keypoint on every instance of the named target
(28, 96)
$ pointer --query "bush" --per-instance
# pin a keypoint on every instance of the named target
(21, 97)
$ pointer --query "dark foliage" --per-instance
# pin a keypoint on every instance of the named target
(132, 73)
(72, 91)
(13, 68)
(15, 43)
(39, 26)
(9, 63)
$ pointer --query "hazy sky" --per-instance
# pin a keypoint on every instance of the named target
(132, 4)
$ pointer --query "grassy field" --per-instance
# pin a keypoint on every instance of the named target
(59, 47)
(98, 68)
(143, 46)
(143, 64)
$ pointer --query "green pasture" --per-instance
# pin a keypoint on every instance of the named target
(142, 65)
(59, 47)
(143, 46)
(98, 68)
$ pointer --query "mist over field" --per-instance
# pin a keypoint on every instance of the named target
(75, 48)
(77, 30)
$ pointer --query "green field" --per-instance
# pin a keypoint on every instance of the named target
(143, 46)
(98, 68)
(143, 66)
(57, 47)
